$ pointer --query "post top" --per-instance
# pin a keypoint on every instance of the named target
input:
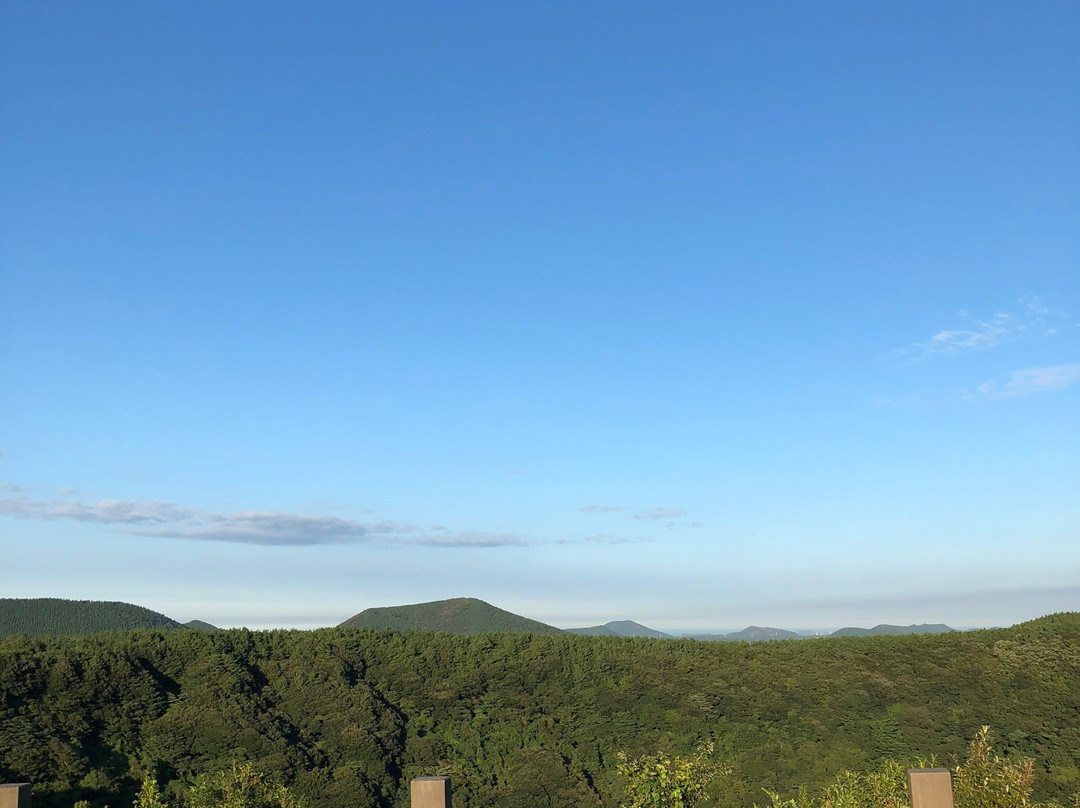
(13, 785)
(927, 771)
(442, 777)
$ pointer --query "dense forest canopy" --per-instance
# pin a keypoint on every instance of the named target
(346, 717)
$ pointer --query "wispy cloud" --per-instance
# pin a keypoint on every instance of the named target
(273, 528)
(602, 508)
(11, 488)
(1031, 381)
(471, 538)
(167, 520)
(106, 511)
(660, 513)
(605, 538)
(979, 334)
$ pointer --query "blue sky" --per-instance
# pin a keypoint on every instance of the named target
(696, 314)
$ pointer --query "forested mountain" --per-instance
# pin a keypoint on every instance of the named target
(754, 633)
(348, 716)
(619, 628)
(34, 616)
(885, 630)
(456, 616)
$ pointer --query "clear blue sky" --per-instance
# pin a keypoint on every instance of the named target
(698, 314)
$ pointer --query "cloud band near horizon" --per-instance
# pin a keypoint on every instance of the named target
(161, 519)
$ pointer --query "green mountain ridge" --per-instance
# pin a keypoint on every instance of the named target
(454, 616)
(57, 616)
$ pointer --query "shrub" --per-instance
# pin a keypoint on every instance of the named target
(659, 781)
(239, 787)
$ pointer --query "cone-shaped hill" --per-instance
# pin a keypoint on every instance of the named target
(200, 625)
(620, 628)
(454, 616)
(38, 616)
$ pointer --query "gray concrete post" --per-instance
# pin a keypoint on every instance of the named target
(15, 795)
(429, 792)
(930, 788)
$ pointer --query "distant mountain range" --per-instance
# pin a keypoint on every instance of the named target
(886, 630)
(455, 616)
(761, 633)
(54, 616)
(749, 634)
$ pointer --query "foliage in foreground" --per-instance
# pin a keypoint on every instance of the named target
(659, 780)
(238, 787)
(984, 780)
(662, 781)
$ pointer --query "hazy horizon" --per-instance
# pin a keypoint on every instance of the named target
(255, 620)
(700, 315)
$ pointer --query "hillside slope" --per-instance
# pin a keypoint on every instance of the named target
(454, 616)
(56, 616)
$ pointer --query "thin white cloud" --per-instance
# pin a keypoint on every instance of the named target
(470, 538)
(660, 513)
(601, 508)
(1033, 380)
(605, 538)
(979, 334)
(11, 488)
